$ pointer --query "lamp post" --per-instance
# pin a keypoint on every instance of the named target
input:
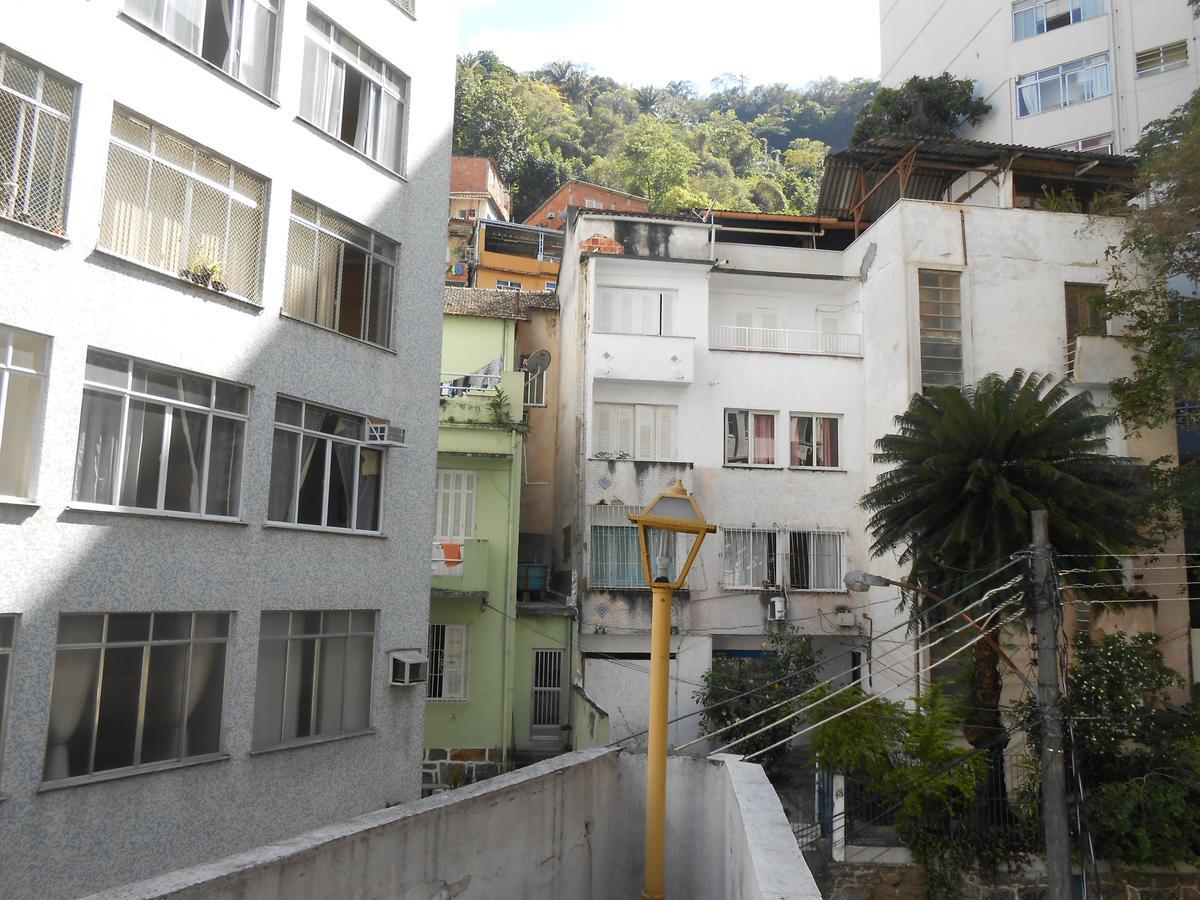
(673, 512)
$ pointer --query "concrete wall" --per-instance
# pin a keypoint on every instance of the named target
(56, 559)
(537, 486)
(570, 827)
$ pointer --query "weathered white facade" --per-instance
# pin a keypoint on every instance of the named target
(781, 332)
(74, 819)
(1137, 62)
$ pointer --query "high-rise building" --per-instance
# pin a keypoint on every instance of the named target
(221, 239)
(1075, 74)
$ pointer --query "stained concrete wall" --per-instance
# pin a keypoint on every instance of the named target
(570, 827)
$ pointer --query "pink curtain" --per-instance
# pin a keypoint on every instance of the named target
(795, 439)
(829, 443)
(764, 440)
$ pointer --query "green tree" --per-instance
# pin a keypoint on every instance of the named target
(550, 119)
(488, 121)
(934, 106)
(651, 160)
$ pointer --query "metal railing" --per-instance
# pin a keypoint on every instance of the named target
(785, 340)
(458, 384)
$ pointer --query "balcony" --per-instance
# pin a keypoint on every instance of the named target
(460, 568)
(1097, 359)
(785, 340)
(472, 398)
(643, 357)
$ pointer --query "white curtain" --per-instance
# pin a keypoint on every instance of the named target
(257, 45)
(389, 133)
(96, 455)
(183, 22)
(74, 687)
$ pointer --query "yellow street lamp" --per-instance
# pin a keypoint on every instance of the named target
(671, 513)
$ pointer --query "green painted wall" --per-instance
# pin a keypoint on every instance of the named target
(540, 633)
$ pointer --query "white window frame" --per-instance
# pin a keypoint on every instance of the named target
(762, 545)
(107, 643)
(456, 501)
(438, 686)
(932, 332)
(535, 386)
(127, 394)
(8, 369)
(1077, 11)
(1089, 68)
(837, 585)
(552, 285)
(360, 444)
(752, 440)
(340, 49)
(291, 634)
(503, 285)
(238, 24)
(381, 254)
(815, 418)
(635, 431)
(32, 110)
(1100, 143)
(1160, 59)
(115, 222)
(652, 312)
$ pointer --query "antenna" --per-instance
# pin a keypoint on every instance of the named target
(538, 362)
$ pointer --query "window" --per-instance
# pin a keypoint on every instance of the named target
(535, 386)
(36, 108)
(749, 438)
(632, 311)
(815, 561)
(507, 285)
(135, 689)
(236, 36)
(545, 716)
(1162, 59)
(324, 474)
(8, 634)
(1033, 17)
(350, 93)
(1082, 316)
(23, 361)
(616, 560)
(591, 203)
(749, 558)
(159, 439)
(1101, 143)
(339, 275)
(447, 662)
(634, 431)
(178, 208)
(1065, 85)
(941, 329)
(455, 504)
(814, 441)
(314, 675)
(551, 285)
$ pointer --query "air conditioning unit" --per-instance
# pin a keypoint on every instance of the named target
(407, 667)
(777, 609)
(843, 617)
(384, 435)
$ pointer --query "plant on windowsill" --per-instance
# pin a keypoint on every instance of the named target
(204, 271)
(612, 454)
(53, 224)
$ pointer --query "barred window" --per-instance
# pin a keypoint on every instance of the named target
(616, 556)
(749, 557)
(314, 675)
(179, 208)
(447, 662)
(535, 386)
(36, 110)
(340, 275)
(236, 36)
(161, 439)
(815, 561)
(135, 689)
(352, 94)
(324, 474)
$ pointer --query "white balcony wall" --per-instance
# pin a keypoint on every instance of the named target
(786, 315)
(790, 260)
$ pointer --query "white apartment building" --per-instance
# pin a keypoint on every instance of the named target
(758, 359)
(1076, 74)
(221, 247)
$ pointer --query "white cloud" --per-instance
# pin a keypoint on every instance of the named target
(656, 41)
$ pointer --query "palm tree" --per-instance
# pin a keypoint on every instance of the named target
(968, 466)
(649, 98)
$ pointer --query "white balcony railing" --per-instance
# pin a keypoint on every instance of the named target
(785, 340)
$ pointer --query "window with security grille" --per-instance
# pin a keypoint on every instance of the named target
(176, 207)
(447, 662)
(941, 329)
(314, 675)
(324, 471)
(615, 554)
(24, 358)
(340, 276)
(749, 557)
(36, 112)
(352, 94)
(135, 689)
(545, 714)
(1162, 59)
(236, 36)
(154, 438)
(815, 561)
(535, 386)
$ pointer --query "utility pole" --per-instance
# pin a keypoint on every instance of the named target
(1054, 775)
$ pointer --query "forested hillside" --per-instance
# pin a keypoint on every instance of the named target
(759, 148)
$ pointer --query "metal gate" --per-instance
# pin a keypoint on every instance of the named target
(546, 715)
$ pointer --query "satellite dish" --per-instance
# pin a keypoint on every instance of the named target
(538, 362)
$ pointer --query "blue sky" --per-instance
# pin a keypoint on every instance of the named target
(656, 41)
